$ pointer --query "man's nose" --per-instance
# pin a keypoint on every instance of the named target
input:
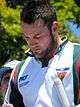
(33, 41)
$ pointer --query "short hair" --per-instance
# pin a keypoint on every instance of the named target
(35, 9)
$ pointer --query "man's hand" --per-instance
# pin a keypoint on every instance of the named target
(7, 105)
(78, 105)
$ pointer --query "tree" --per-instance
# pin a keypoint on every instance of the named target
(67, 10)
(12, 45)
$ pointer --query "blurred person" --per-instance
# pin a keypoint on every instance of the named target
(5, 72)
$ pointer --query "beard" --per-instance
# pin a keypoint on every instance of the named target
(51, 47)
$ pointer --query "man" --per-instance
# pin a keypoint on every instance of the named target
(46, 77)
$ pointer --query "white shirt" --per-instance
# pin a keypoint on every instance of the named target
(36, 84)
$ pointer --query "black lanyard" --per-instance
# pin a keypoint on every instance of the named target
(61, 46)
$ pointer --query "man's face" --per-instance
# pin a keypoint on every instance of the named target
(37, 36)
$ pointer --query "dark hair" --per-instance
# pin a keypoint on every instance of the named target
(38, 9)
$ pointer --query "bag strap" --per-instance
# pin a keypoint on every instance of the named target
(16, 99)
(15, 96)
(76, 81)
(17, 72)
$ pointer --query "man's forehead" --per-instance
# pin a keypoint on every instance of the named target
(38, 22)
(35, 27)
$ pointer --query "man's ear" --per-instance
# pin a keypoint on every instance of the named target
(55, 26)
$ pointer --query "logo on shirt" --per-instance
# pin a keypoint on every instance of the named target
(62, 72)
(23, 78)
(22, 81)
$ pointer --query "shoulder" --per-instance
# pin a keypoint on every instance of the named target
(76, 44)
(76, 52)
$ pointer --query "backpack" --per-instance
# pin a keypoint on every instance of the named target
(16, 97)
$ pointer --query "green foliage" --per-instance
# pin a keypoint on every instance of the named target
(1, 100)
(67, 10)
(11, 42)
(10, 20)
(12, 45)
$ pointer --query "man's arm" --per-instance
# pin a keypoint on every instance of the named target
(78, 105)
(7, 105)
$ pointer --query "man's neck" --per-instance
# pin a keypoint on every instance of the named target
(54, 48)
(51, 53)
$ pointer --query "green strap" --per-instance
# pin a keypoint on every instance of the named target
(76, 54)
(17, 72)
(15, 96)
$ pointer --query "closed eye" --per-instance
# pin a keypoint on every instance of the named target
(37, 35)
(26, 37)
